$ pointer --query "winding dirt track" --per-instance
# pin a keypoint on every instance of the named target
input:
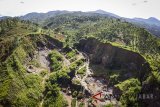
(43, 60)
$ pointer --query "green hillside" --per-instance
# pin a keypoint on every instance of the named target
(38, 62)
(18, 42)
(118, 33)
(115, 31)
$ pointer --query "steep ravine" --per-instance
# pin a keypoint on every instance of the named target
(98, 53)
(114, 58)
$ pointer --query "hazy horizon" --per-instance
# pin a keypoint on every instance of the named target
(124, 8)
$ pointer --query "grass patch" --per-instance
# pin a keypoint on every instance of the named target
(81, 71)
(56, 60)
(73, 103)
(70, 54)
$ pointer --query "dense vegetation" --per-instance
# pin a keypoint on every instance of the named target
(56, 60)
(130, 89)
(17, 88)
(18, 42)
(119, 33)
(59, 78)
(20, 39)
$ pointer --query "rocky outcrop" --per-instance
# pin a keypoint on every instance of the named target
(113, 57)
(48, 42)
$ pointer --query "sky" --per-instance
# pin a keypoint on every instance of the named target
(124, 8)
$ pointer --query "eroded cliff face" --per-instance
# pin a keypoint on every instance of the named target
(112, 57)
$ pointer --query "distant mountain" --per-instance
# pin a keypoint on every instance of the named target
(3, 17)
(154, 20)
(151, 24)
(151, 21)
(105, 13)
(40, 17)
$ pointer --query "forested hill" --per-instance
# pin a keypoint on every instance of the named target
(114, 31)
(40, 17)
(151, 24)
(12, 31)
(107, 29)
(36, 60)
(20, 42)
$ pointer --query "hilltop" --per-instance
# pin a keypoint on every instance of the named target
(151, 24)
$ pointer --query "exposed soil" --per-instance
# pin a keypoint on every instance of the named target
(68, 98)
(94, 85)
(43, 58)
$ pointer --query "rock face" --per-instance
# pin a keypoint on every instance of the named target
(48, 42)
(112, 57)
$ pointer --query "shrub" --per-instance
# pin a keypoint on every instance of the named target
(81, 71)
(80, 95)
(79, 62)
(43, 73)
(70, 54)
(74, 94)
(73, 67)
(56, 60)
(81, 104)
(73, 103)
(109, 105)
(130, 88)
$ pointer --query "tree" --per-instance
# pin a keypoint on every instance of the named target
(130, 88)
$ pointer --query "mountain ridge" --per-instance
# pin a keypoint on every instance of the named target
(136, 18)
(151, 24)
(99, 11)
(104, 12)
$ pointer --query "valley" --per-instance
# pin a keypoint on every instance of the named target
(83, 83)
(89, 83)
